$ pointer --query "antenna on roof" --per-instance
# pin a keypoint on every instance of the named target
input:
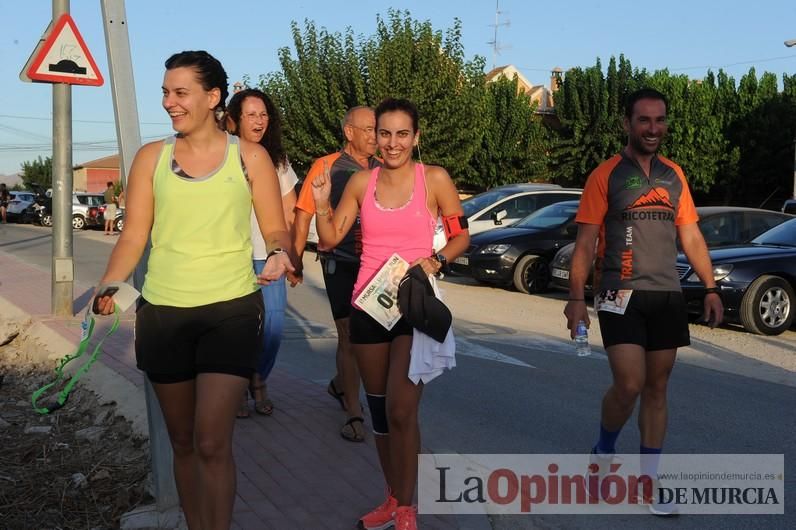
(496, 47)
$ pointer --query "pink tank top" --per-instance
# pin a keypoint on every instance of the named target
(407, 230)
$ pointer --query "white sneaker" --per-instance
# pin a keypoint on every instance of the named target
(599, 465)
(654, 504)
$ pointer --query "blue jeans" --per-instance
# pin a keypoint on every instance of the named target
(275, 300)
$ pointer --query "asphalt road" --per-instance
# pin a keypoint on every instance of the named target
(519, 388)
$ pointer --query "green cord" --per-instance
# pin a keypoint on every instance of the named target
(85, 336)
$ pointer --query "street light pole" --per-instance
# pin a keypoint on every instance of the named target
(789, 44)
(62, 265)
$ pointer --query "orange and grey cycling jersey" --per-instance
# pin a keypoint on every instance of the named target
(341, 167)
(638, 216)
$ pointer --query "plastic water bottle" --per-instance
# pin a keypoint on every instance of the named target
(582, 347)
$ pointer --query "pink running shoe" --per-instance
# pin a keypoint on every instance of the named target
(382, 517)
(406, 518)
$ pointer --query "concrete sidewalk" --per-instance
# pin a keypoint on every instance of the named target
(294, 469)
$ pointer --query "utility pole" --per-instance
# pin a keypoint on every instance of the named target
(63, 272)
(789, 44)
(128, 132)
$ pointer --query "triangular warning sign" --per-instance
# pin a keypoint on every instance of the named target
(64, 57)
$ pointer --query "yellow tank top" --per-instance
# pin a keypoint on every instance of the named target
(201, 245)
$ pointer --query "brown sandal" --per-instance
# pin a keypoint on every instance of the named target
(350, 433)
(263, 405)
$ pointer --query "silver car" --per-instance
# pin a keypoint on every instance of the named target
(505, 205)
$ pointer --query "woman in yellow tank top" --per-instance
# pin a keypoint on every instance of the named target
(199, 326)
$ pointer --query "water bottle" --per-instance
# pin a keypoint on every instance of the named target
(582, 347)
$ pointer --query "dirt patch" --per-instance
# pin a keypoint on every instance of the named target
(79, 467)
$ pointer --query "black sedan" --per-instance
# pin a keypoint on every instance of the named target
(720, 225)
(520, 254)
(757, 280)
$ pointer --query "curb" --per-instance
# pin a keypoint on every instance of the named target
(108, 385)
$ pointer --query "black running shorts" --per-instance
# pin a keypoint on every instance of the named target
(174, 344)
(339, 277)
(364, 329)
(655, 320)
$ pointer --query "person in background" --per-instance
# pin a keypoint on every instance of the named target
(253, 116)
(5, 198)
(340, 264)
(198, 329)
(110, 208)
(398, 205)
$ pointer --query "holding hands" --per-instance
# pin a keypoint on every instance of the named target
(276, 265)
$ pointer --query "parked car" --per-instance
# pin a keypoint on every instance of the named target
(505, 205)
(720, 225)
(19, 206)
(520, 254)
(757, 280)
(789, 206)
(85, 209)
(44, 215)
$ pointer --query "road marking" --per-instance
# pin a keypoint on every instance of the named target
(469, 349)
(537, 343)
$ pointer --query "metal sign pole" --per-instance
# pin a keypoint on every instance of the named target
(129, 137)
(62, 264)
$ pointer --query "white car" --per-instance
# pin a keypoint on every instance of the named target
(505, 205)
(20, 201)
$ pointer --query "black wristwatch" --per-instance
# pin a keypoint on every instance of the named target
(714, 290)
(277, 250)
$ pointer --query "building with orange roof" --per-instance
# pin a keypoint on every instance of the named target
(94, 175)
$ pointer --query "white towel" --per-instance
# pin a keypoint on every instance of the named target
(428, 357)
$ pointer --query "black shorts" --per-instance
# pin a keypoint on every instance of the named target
(174, 344)
(339, 277)
(364, 329)
(655, 320)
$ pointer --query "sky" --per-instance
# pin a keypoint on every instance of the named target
(686, 37)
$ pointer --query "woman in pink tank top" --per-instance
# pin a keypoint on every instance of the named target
(398, 206)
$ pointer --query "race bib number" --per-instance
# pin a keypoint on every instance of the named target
(379, 298)
(613, 300)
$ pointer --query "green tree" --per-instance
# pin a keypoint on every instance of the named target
(695, 140)
(513, 143)
(589, 106)
(763, 132)
(37, 173)
(314, 89)
(407, 58)
(331, 72)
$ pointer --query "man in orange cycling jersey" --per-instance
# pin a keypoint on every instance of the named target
(341, 264)
(634, 206)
